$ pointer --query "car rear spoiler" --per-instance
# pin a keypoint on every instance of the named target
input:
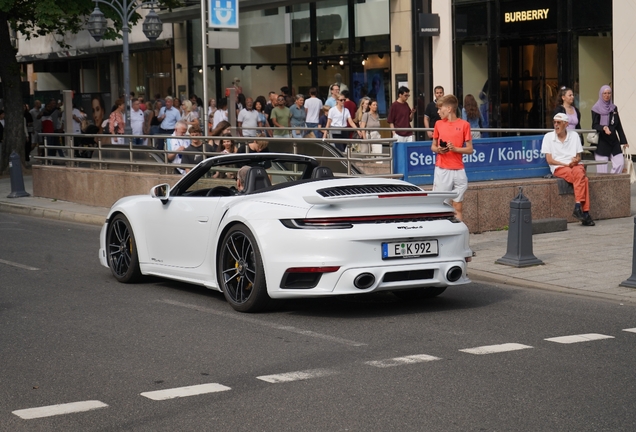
(391, 198)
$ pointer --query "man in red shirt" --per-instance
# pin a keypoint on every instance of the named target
(451, 140)
(401, 115)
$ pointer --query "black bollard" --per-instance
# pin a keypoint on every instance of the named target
(17, 181)
(519, 253)
(631, 281)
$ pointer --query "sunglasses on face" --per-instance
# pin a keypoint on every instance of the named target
(341, 100)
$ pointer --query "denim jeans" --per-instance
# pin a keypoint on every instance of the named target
(316, 132)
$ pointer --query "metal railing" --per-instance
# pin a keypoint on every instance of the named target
(102, 151)
(102, 154)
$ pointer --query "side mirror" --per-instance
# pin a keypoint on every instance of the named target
(161, 191)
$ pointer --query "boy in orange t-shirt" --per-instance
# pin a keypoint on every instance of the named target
(451, 140)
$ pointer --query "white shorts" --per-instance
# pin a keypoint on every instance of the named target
(446, 180)
(401, 138)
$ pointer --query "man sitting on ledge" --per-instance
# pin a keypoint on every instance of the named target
(562, 149)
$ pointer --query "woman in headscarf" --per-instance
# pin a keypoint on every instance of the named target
(607, 123)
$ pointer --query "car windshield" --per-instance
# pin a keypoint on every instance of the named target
(222, 171)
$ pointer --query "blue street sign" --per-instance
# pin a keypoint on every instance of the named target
(512, 157)
(223, 14)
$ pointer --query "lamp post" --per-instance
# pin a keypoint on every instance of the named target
(152, 28)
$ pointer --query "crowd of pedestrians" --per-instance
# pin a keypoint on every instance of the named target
(287, 114)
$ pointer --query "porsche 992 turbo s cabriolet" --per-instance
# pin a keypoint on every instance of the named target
(293, 231)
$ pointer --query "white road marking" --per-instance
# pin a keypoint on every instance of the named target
(492, 349)
(631, 330)
(185, 391)
(53, 410)
(242, 317)
(398, 361)
(297, 376)
(579, 338)
(18, 265)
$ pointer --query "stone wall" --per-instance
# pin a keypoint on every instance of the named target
(100, 188)
(486, 204)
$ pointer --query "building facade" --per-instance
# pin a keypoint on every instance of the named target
(515, 54)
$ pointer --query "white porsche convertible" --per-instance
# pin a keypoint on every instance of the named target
(294, 231)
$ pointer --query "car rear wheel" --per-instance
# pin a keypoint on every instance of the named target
(122, 250)
(240, 271)
(419, 293)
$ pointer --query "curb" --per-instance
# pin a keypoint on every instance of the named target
(61, 215)
(488, 277)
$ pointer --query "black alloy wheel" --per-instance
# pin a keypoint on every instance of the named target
(121, 250)
(240, 271)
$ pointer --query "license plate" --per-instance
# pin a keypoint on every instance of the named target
(410, 249)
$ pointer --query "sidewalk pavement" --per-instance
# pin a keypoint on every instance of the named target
(589, 261)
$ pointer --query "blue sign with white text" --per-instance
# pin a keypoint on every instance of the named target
(493, 159)
(223, 14)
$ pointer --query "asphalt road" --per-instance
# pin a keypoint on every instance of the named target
(70, 333)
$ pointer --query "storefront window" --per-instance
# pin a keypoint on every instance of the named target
(150, 73)
(528, 85)
(332, 26)
(327, 57)
(301, 71)
(330, 71)
(520, 54)
(372, 26)
(373, 79)
(594, 70)
(301, 31)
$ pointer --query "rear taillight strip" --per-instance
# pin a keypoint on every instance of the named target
(348, 222)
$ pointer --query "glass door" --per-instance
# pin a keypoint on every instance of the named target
(529, 85)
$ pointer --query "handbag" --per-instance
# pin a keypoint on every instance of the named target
(629, 165)
(592, 137)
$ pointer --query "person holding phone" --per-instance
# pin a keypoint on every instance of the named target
(451, 141)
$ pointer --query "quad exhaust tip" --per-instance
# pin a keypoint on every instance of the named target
(364, 280)
(454, 273)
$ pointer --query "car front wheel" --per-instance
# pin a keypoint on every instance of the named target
(122, 250)
(240, 271)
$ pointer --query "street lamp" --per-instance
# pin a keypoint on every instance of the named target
(152, 28)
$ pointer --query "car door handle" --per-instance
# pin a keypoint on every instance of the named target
(203, 219)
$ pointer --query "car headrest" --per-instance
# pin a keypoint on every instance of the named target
(256, 179)
(322, 172)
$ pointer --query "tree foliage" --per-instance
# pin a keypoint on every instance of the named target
(35, 18)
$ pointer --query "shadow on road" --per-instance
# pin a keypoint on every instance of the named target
(372, 305)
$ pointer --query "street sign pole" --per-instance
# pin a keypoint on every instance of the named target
(204, 67)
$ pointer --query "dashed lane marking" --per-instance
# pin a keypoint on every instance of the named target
(297, 376)
(264, 323)
(631, 330)
(185, 391)
(53, 410)
(18, 265)
(492, 349)
(579, 338)
(399, 361)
